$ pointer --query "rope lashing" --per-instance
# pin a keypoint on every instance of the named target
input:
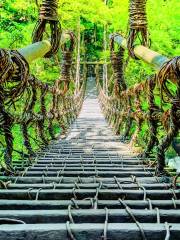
(69, 231)
(129, 212)
(48, 15)
(170, 72)
(6, 65)
(118, 67)
(15, 83)
(14, 73)
(27, 143)
(168, 233)
(6, 126)
(14, 76)
(10, 221)
(70, 214)
(4, 185)
(129, 106)
(104, 237)
(153, 114)
(138, 25)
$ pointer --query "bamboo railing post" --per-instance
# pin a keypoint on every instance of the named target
(35, 50)
(39, 49)
(147, 55)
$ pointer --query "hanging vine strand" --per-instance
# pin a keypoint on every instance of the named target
(67, 55)
(18, 85)
(170, 72)
(137, 25)
(14, 74)
(128, 111)
(48, 15)
(118, 68)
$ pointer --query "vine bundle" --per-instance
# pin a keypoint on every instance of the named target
(48, 15)
(138, 26)
(41, 107)
(128, 112)
(129, 109)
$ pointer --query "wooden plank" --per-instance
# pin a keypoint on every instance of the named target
(84, 204)
(86, 231)
(90, 168)
(88, 186)
(87, 173)
(91, 215)
(107, 194)
(91, 179)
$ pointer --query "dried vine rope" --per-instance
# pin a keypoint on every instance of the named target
(6, 65)
(128, 106)
(67, 56)
(117, 60)
(129, 103)
(14, 74)
(138, 114)
(138, 25)
(48, 14)
(15, 82)
(153, 117)
(170, 72)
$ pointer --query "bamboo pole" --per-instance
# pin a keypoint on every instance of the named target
(63, 204)
(115, 231)
(147, 55)
(39, 49)
(35, 50)
(53, 216)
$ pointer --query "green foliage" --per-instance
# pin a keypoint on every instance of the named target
(17, 19)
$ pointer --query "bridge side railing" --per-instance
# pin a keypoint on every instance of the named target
(33, 112)
(154, 102)
(36, 108)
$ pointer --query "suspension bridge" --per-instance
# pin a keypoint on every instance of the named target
(87, 182)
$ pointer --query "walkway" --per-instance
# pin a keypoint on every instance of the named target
(89, 186)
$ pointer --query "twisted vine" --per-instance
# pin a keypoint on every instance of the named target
(48, 14)
(170, 72)
(118, 68)
(138, 25)
(16, 82)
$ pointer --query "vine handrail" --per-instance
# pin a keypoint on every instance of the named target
(43, 106)
(141, 52)
(130, 109)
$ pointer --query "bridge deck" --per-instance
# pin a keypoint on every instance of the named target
(89, 186)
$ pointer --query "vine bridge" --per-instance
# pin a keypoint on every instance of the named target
(88, 182)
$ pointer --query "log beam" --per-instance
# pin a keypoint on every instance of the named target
(147, 55)
(39, 49)
(86, 231)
